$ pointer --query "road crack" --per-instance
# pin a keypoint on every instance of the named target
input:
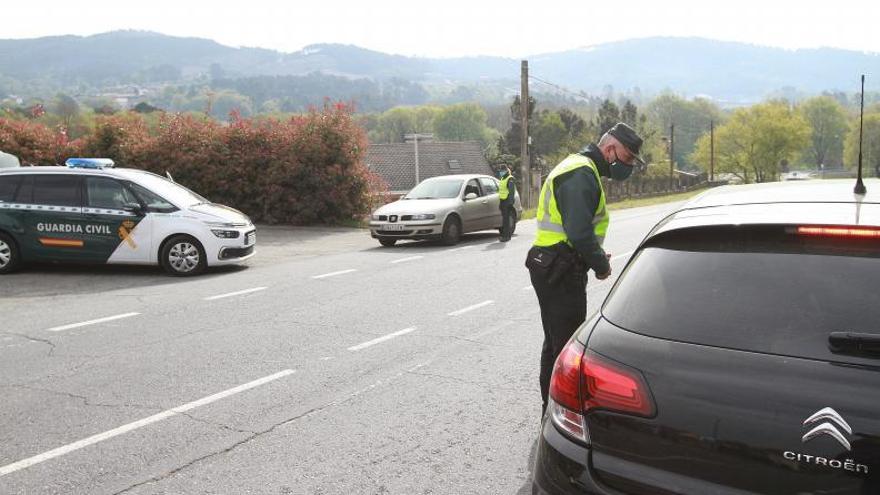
(252, 435)
(489, 386)
(35, 339)
(85, 400)
(222, 426)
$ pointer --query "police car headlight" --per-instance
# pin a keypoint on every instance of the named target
(375, 218)
(227, 225)
(225, 234)
(424, 216)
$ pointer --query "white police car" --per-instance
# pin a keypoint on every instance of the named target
(94, 213)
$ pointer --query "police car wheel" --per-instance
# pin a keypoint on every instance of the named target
(183, 256)
(451, 231)
(9, 257)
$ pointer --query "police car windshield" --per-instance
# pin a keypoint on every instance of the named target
(435, 189)
(171, 191)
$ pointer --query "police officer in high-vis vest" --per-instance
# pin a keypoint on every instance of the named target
(572, 222)
(507, 195)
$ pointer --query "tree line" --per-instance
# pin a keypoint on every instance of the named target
(754, 143)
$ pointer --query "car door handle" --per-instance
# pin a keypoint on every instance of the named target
(485, 201)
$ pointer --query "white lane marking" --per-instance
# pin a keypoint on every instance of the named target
(238, 293)
(411, 258)
(471, 308)
(100, 437)
(92, 322)
(333, 274)
(624, 255)
(460, 248)
(381, 339)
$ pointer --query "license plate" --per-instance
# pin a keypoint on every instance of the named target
(250, 238)
(392, 227)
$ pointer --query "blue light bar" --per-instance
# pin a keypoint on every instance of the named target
(94, 163)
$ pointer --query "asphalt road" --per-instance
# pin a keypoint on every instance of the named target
(327, 365)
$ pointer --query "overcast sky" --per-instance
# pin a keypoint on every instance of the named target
(448, 28)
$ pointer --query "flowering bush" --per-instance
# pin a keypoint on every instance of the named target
(305, 170)
(36, 144)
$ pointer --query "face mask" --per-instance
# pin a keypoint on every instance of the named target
(501, 174)
(619, 170)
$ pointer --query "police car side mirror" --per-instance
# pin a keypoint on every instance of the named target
(133, 208)
(470, 196)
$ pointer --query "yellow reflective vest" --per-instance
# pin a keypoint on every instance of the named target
(550, 230)
(504, 191)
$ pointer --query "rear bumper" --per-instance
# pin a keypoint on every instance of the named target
(561, 466)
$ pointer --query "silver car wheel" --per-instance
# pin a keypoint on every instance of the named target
(183, 257)
(5, 254)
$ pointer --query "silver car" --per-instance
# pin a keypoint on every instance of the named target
(442, 208)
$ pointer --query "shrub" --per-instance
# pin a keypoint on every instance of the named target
(36, 144)
(305, 170)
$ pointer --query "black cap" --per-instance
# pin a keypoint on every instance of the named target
(629, 139)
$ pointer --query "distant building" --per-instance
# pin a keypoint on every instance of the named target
(396, 163)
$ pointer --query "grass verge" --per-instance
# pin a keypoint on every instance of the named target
(633, 203)
(656, 200)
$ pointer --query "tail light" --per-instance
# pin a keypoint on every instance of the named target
(856, 232)
(584, 381)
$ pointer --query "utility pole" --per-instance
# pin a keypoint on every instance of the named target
(671, 154)
(209, 106)
(415, 137)
(711, 151)
(525, 163)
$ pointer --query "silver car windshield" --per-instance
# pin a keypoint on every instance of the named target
(436, 189)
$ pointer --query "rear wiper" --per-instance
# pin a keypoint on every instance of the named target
(854, 343)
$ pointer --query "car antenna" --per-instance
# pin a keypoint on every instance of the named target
(168, 174)
(860, 186)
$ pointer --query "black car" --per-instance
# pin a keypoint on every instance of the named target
(738, 353)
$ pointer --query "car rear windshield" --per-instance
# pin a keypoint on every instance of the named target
(767, 290)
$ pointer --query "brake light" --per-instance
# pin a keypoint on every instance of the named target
(583, 381)
(565, 392)
(857, 232)
(614, 387)
(566, 379)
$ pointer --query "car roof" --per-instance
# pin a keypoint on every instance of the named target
(820, 202)
(815, 191)
(127, 173)
(458, 176)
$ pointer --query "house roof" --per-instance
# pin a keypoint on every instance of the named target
(395, 162)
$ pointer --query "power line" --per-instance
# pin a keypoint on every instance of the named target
(560, 88)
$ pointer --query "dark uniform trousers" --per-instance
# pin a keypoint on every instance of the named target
(563, 310)
(506, 209)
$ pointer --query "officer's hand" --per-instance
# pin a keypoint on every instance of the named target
(604, 275)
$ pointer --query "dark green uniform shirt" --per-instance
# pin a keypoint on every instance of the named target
(577, 197)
